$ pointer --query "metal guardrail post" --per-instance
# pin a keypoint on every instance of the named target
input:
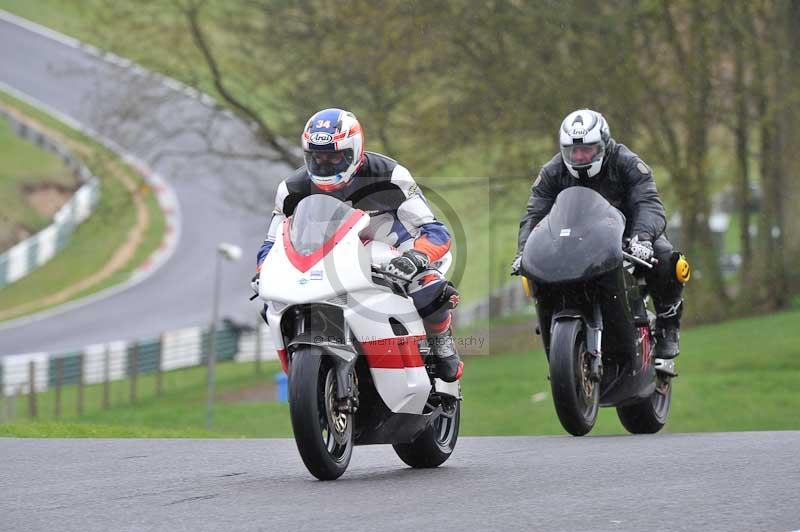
(106, 377)
(11, 405)
(159, 358)
(32, 410)
(59, 381)
(80, 390)
(134, 371)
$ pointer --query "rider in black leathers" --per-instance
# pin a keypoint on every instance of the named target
(591, 158)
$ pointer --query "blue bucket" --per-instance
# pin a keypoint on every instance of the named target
(283, 387)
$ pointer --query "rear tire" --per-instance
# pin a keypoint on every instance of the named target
(324, 437)
(576, 398)
(650, 415)
(434, 446)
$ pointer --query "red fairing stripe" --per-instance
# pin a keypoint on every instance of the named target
(646, 347)
(305, 262)
(394, 353)
(284, 360)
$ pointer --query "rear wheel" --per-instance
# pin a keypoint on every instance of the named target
(575, 395)
(324, 436)
(650, 415)
(434, 446)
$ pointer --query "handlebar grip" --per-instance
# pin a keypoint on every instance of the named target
(637, 260)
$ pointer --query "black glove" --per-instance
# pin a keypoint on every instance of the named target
(255, 281)
(407, 265)
(516, 264)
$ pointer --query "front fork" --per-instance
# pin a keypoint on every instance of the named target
(344, 356)
(594, 337)
(594, 341)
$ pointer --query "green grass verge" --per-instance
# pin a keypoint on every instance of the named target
(66, 16)
(181, 408)
(24, 165)
(95, 241)
(734, 376)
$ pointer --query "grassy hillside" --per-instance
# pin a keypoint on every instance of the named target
(25, 168)
(95, 241)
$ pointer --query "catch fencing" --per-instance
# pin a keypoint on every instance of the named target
(125, 372)
(143, 367)
(26, 256)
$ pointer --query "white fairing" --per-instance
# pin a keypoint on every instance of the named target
(345, 270)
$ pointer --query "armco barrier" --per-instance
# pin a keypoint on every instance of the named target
(33, 252)
(120, 360)
(103, 364)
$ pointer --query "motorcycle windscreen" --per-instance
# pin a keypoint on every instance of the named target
(315, 221)
(579, 239)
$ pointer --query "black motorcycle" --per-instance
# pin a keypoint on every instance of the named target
(591, 303)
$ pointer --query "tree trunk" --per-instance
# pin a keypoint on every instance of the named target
(699, 123)
(742, 146)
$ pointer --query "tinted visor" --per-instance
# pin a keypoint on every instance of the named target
(583, 154)
(328, 163)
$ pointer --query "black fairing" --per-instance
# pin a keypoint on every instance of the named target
(579, 239)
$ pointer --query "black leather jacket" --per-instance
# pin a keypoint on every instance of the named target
(625, 181)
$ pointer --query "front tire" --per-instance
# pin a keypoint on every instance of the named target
(650, 415)
(434, 446)
(575, 396)
(324, 436)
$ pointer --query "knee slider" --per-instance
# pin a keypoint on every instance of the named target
(683, 272)
(449, 296)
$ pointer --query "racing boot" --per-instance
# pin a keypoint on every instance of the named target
(448, 365)
(668, 326)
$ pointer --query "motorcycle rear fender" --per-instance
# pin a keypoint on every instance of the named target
(567, 313)
(452, 389)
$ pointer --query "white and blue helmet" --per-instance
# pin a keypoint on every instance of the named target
(333, 147)
(584, 136)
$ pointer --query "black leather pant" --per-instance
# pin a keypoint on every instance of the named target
(663, 285)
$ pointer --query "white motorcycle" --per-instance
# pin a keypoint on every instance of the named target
(352, 343)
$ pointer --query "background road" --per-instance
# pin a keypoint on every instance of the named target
(167, 129)
(736, 481)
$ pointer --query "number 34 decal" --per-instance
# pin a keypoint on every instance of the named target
(324, 123)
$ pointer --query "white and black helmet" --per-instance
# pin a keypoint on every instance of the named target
(584, 137)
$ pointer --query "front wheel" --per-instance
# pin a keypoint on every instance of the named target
(575, 395)
(434, 446)
(324, 436)
(648, 416)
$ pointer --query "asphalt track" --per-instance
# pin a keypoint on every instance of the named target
(164, 126)
(730, 482)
